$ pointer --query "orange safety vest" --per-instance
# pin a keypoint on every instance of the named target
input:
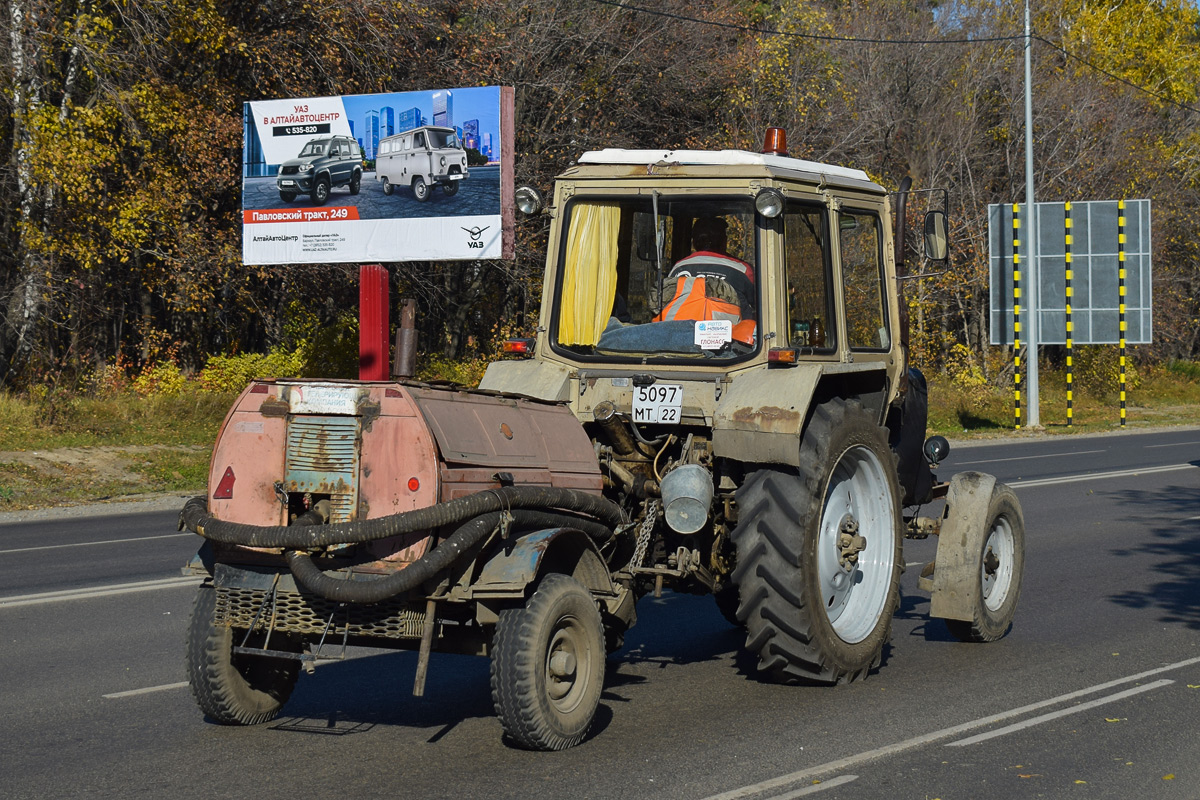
(691, 302)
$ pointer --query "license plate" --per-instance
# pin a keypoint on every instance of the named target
(287, 183)
(456, 177)
(659, 402)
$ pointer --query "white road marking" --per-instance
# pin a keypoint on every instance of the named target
(88, 544)
(96, 591)
(1172, 444)
(1029, 723)
(1029, 458)
(945, 733)
(147, 690)
(816, 787)
(1096, 476)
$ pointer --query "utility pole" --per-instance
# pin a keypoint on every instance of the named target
(1033, 418)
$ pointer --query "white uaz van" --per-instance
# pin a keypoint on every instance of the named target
(421, 158)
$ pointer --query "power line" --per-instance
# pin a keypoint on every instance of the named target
(860, 40)
(795, 34)
(1117, 78)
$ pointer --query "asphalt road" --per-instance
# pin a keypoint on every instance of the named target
(1095, 692)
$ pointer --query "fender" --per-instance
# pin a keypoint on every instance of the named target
(515, 567)
(956, 574)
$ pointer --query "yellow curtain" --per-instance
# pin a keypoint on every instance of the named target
(590, 283)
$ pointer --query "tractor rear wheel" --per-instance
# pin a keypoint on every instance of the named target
(819, 552)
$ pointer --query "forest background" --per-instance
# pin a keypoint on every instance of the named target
(120, 220)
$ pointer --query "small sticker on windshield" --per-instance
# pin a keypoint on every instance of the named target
(713, 334)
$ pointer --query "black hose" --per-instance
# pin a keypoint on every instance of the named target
(309, 575)
(304, 537)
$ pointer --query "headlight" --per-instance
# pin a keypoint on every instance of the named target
(443, 161)
(528, 199)
(769, 202)
(305, 168)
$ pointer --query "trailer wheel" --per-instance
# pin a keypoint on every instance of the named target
(232, 689)
(818, 551)
(320, 190)
(387, 187)
(355, 183)
(547, 667)
(1001, 561)
(420, 189)
(287, 197)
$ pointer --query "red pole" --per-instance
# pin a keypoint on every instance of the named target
(373, 322)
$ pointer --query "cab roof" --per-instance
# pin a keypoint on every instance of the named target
(812, 170)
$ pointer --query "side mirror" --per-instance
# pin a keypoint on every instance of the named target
(937, 240)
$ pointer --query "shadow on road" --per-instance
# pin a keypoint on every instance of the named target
(1165, 524)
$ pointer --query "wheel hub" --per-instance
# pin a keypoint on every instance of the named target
(850, 544)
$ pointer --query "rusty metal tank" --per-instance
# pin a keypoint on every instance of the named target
(374, 449)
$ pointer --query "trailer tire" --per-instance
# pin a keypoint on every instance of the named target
(232, 689)
(547, 668)
(1003, 538)
(810, 613)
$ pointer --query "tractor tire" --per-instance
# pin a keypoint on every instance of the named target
(233, 689)
(547, 668)
(1001, 553)
(817, 601)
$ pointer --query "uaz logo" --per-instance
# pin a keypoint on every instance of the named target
(475, 233)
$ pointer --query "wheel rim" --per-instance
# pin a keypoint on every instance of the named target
(997, 569)
(419, 188)
(856, 575)
(567, 668)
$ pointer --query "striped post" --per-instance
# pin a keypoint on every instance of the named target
(1121, 293)
(1070, 326)
(1016, 248)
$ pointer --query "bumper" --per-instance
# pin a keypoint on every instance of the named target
(295, 183)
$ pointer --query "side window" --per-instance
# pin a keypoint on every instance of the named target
(419, 140)
(809, 299)
(860, 235)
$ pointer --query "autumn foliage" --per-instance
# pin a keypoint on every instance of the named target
(123, 128)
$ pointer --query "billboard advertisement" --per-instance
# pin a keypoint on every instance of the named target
(399, 176)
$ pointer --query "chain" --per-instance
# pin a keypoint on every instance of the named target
(644, 531)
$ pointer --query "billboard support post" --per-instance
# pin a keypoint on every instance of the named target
(1121, 296)
(373, 322)
(1070, 323)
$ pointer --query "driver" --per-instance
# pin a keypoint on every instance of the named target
(709, 283)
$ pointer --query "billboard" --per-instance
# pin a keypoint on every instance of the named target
(378, 177)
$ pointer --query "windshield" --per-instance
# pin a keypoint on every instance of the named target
(315, 148)
(440, 139)
(687, 289)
